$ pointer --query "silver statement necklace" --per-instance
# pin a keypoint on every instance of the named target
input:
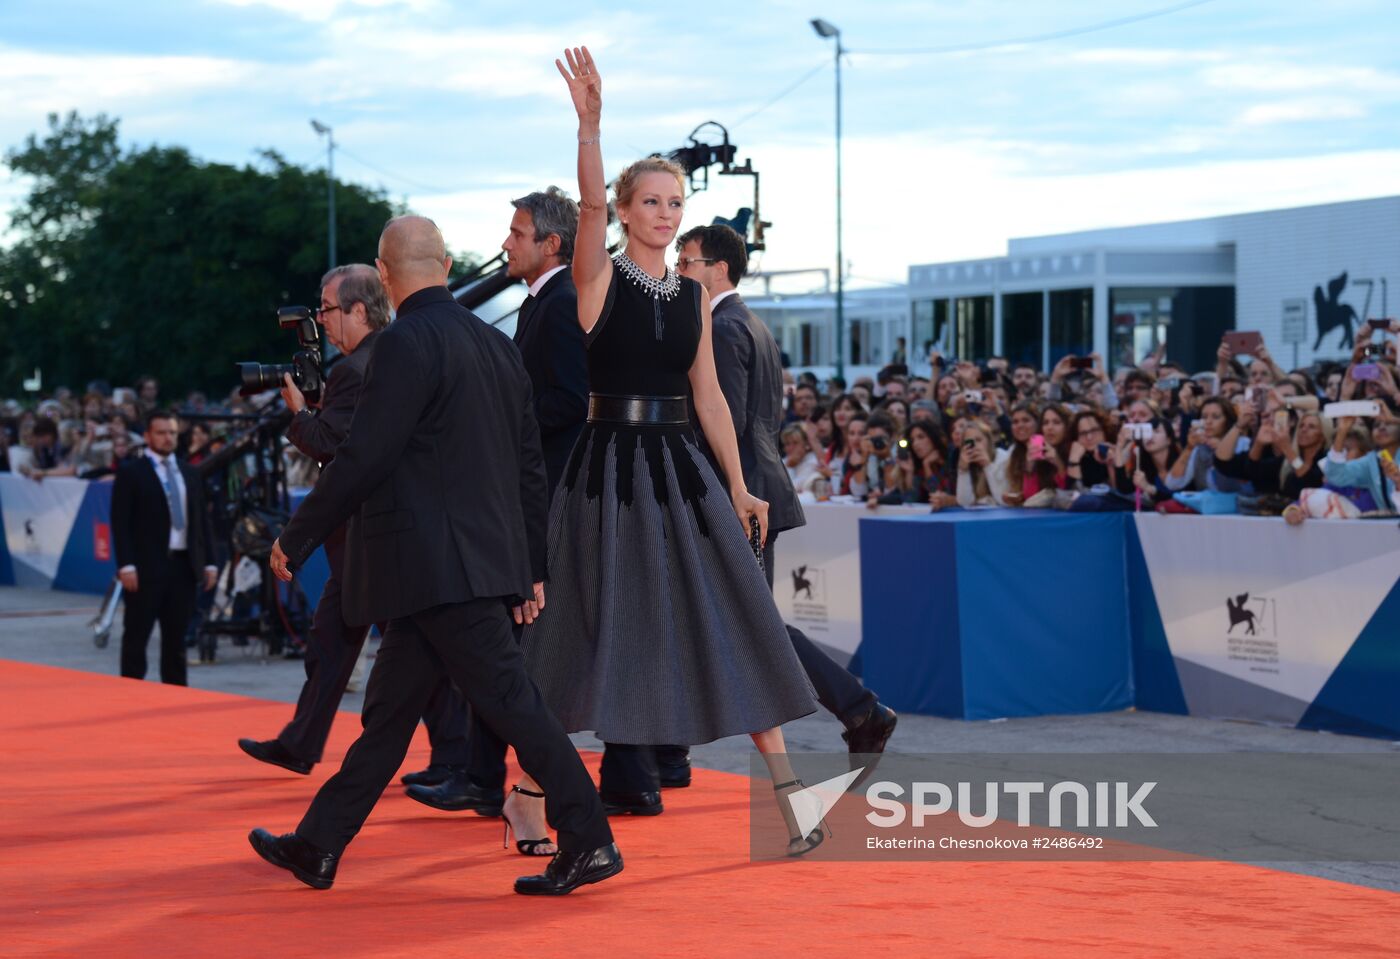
(665, 288)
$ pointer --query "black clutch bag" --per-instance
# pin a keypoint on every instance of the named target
(756, 541)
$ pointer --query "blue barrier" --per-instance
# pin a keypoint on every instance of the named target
(69, 547)
(961, 619)
(1228, 617)
(7, 570)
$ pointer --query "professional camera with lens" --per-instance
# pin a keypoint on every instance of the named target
(305, 368)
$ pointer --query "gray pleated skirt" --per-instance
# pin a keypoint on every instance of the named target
(659, 626)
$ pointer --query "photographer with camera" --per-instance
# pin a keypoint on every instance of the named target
(352, 311)
(875, 468)
(981, 467)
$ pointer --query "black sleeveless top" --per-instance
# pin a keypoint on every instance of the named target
(644, 345)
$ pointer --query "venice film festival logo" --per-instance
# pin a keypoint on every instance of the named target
(1333, 314)
(1256, 617)
(809, 584)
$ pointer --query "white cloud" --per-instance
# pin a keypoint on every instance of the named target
(36, 83)
(1146, 56)
(324, 10)
(1304, 109)
(1282, 77)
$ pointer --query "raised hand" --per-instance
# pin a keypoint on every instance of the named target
(585, 84)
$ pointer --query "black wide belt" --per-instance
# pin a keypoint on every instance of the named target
(638, 410)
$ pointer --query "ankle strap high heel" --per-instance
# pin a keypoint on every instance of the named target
(526, 847)
(801, 845)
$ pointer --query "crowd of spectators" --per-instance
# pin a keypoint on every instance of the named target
(1246, 436)
(87, 435)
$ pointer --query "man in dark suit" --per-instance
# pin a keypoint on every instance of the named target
(443, 474)
(540, 246)
(353, 310)
(162, 534)
(751, 375)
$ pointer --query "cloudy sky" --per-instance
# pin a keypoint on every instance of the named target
(1218, 106)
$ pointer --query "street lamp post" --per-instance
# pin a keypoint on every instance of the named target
(828, 32)
(326, 131)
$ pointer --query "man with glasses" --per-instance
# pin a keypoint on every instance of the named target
(751, 376)
(353, 310)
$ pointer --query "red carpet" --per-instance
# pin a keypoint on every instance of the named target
(126, 805)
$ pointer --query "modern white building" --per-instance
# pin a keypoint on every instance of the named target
(1305, 278)
(805, 324)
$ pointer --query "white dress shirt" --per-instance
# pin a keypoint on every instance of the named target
(179, 538)
(715, 301)
(538, 285)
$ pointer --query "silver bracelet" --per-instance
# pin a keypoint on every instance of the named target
(591, 140)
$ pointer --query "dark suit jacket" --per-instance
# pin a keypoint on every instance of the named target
(442, 471)
(141, 518)
(552, 347)
(750, 370)
(317, 433)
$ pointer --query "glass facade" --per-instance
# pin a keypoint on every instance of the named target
(1071, 324)
(972, 327)
(1190, 319)
(930, 326)
(1022, 327)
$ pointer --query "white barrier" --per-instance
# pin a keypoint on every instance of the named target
(816, 574)
(39, 519)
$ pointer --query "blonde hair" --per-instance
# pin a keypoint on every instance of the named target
(626, 184)
(981, 489)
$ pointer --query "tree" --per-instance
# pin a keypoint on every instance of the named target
(155, 262)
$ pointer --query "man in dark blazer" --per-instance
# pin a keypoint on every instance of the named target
(162, 533)
(352, 311)
(443, 474)
(539, 247)
(750, 372)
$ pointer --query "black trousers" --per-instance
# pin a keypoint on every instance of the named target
(165, 593)
(472, 642)
(331, 652)
(625, 768)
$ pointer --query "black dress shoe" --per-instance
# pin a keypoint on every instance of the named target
(273, 752)
(632, 804)
(297, 856)
(674, 777)
(435, 775)
(569, 870)
(673, 766)
(870, 733)
(459, 793)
